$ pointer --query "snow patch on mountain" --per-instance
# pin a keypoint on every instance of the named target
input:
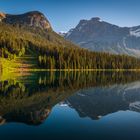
(69, 33)
(135, 32)
(133, 52)
(62, 33)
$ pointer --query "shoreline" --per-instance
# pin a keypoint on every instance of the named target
(11, 74)
(10, 66)
(73, 70)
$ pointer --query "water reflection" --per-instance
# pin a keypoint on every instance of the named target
(30, 99)
(97, 102)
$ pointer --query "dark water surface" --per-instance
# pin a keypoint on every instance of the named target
(74, 105)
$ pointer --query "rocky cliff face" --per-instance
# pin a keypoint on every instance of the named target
(98, 35)
(2, 16)
(33, 19)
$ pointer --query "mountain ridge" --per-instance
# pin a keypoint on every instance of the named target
(25, 35)
(101, 36)
(32, 18)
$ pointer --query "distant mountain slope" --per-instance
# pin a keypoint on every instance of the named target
(98, 35)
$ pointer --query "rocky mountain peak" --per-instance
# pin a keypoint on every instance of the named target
(33, 19)
(82, 21)
(95, 19)
(35, 13)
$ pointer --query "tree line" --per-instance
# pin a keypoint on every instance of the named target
(73, 58)
(53, 52)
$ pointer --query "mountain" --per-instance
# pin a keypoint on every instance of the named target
(30, 41)
(101, 36)
(29, 33)
(34, 23)
(33, 19)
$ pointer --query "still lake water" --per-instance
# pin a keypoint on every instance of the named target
(74, 105)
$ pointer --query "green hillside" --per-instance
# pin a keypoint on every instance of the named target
(34, 48)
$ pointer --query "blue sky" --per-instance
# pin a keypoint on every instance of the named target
(65, 14)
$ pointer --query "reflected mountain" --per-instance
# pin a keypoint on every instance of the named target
(98, 102)
(30, 99)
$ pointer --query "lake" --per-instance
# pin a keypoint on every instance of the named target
(70, 105)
